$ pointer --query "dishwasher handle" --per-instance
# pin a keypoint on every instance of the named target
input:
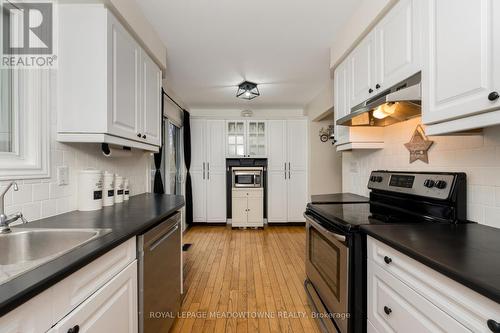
(163, 238)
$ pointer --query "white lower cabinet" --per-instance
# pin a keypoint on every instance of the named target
(395, 307)
(248, 207)
(100, 297)
(407, 296)
(113, 308)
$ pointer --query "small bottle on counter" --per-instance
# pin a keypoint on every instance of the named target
(126, 189)
(118, 189)
(108, 198)
(90, 190)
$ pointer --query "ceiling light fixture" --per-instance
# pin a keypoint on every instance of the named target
(247, 90)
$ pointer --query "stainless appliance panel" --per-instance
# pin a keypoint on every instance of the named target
(327, 264)
(160, 275)
(247, 178)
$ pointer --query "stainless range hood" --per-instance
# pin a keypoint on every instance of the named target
(399, 103)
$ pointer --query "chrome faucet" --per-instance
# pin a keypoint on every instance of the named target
(4, 219)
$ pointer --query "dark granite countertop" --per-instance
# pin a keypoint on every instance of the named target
(338, 198)
(126, 220)
(466, 253)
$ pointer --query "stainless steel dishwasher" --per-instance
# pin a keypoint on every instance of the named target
(159, 253)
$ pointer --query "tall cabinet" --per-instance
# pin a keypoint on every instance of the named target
(207, 171)
(287, 170)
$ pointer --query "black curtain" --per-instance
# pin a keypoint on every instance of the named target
(187, 162)
(158, 183)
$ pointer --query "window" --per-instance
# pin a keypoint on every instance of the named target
(24, 121)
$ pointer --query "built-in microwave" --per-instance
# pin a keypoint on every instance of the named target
(247, 177)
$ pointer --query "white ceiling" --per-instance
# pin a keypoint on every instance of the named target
(212, 45)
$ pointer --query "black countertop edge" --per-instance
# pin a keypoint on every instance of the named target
(463, 278)
(127, 220)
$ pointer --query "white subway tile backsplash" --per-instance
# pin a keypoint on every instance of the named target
(40, 192)
(49, 208)
(23, 195)
(477, 155)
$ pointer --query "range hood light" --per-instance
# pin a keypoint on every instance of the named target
(384, 110)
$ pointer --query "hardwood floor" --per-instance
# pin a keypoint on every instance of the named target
(245, 281)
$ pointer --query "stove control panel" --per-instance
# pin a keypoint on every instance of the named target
(432, 185)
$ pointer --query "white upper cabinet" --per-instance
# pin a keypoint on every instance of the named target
(109, 89)
(124, 118)
(151, 101)
(462, 72)
(246, 138)
(399, 40)
(361, 65)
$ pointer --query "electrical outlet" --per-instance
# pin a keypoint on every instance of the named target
(62, 175)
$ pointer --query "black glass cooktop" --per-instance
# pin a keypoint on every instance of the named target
(351, 216)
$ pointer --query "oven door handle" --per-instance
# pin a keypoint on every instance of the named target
(318, 226)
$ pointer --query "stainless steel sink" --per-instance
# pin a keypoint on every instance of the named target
(24, 249)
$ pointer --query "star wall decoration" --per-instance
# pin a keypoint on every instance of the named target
(419, 146)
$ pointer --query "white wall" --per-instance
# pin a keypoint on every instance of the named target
(325, 163)
(257, 114)
(478, 156)
(322, 105)
(40, 198)
(359, 24)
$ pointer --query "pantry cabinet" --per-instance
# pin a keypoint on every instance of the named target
(246, 138)
(287, 170)
(461, 82)
(208, 170)
(109, 89)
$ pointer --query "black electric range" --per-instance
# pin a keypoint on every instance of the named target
(336, 248)
(337, 198)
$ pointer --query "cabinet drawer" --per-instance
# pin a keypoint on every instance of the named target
(77, 287)
(395, 307)
(113, 308)
(465, 305)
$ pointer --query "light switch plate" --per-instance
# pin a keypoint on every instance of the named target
(62, 175)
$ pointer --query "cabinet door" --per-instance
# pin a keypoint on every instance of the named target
(236, 141)
(151, 101)
(341, 101)
(462, 68)
(198, 145)
(277, 196)
(398, 48)
(113, 308)
(276, 133)
(216, 195)
(255, 211)
(297, 196)
(215, 139)
(124, 118)
(362, 71)
(199, 186)
(256, 138)
(395, 307)
(239, 208)
(297, 139)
